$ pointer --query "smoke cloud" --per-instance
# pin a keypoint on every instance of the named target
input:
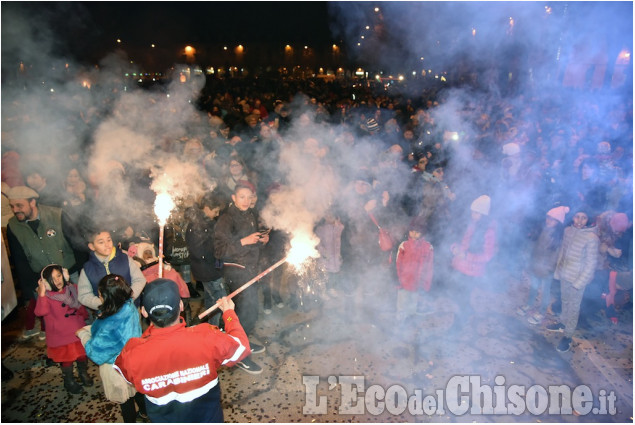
(132, 139)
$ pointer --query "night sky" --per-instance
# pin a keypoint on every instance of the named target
(396, 35)
(88, 30)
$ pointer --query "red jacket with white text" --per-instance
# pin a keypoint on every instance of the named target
(175, 367)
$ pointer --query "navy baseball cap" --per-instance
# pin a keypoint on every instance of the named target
(161, 300)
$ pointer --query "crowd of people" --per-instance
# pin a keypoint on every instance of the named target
(411, 195)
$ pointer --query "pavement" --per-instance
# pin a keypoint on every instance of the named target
(339, 360)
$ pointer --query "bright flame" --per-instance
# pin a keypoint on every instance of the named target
(624, 57)
(302, 247)
(163, 206)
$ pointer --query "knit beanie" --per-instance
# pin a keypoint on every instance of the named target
(511, 149)
(558, 213)
(481, 205)
(619, 222)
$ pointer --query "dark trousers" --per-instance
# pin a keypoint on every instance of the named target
(214, 291)
(128, 411)
(29, 319)
(247, 301)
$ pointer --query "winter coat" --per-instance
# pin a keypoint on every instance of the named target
(577, 259)
(103, 342)
(175, 247)
(607, 238)
(330, 235)
(232, 226)
(415, 264)
(108, 336)
(31, 251)
(61, 320)
(545, 253)
(200, 242)
(47, 245)
(96, 268)
(474, 262)
(151, 272)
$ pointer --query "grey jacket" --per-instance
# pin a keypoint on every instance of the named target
(578, 256)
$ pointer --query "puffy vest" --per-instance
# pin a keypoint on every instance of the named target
(48, 246)
(95, 270)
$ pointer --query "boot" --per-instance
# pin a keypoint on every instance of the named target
(69, 380)
(82, 368)
(7, 374)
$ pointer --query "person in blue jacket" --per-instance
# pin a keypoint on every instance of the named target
(117, 321)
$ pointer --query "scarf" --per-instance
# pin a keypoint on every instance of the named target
(68, 297)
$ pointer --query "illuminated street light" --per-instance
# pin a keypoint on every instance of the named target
(376, 9)
(118, 40)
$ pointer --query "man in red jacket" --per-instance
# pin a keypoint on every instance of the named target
(175, 366)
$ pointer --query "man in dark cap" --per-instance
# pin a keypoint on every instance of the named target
(36, 239)
(174, 365)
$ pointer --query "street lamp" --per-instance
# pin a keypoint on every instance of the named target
(189, 53)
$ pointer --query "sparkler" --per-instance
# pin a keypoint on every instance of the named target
(163, 205)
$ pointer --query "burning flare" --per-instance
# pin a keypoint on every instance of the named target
(163, 206)
(302, 247)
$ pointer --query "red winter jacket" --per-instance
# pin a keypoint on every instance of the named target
(475, 263)
(415, 264)
(180, 363)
